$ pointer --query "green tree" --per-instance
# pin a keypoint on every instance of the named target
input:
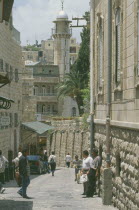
(71, 86)
(78, 78)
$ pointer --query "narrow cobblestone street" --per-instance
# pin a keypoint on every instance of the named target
(59, 192)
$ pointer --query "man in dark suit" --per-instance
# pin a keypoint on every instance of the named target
(24, 171)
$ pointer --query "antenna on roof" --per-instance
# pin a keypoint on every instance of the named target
(62, 1)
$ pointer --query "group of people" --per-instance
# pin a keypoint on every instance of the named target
(89, 167)
(22, 168)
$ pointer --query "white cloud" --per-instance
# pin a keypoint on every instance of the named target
(34, 18)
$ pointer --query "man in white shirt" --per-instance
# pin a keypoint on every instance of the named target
(87, 164)
(68, 160)
(52, 162)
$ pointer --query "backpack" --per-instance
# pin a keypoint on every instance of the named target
(52, 161)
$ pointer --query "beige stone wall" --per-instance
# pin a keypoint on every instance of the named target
(124, 106)
(10, 52)
(68, 137)
(125, 144)
(125, 103)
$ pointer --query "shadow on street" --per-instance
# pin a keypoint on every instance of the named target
(15, 205)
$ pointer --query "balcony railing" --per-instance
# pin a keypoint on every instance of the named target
(69, 31)
(47, 113)
(45, 94)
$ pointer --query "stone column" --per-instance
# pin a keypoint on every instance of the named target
(107, 186)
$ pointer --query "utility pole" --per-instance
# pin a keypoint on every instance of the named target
(108, 126)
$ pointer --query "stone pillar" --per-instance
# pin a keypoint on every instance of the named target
(107, 186)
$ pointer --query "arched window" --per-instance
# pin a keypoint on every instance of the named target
(48, 89)
(36, 90)
(48, 108)
(43, 108)
(43, 90)
(73, 111)
(118, 45)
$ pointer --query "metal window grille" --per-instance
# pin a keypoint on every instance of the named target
(118, 45)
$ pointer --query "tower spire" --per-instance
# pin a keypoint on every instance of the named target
(62, 1)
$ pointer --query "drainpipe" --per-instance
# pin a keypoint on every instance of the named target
(108, 127)
(92, 33)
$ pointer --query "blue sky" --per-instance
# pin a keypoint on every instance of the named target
(34, 18)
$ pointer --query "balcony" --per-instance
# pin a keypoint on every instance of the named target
(67, 32)
(44, 116)
(43, 97)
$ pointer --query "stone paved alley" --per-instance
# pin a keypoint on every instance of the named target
(59, 192)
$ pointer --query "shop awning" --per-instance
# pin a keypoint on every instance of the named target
(37, 127)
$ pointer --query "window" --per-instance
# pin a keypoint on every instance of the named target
(16, 75)
(48, 89)
(11, 73)
(11, 119)
(7, 67)
(74, 111)
(35, 90)
(138, 36)
(1, 65)
(15, 119)
(48, 108)
(118, 46)
(53, 89)
(43, 108)
(43, 90)
(100, 53)
(72, 49)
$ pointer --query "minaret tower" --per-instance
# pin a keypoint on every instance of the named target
(61, 35)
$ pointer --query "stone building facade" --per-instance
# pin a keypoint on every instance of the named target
(11, 65)
(124, 114)
(45, 52)
(39, 91)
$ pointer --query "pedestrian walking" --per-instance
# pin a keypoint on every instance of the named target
(3, 161)
(52, 162)
(78, 165)
(45, 158)
(24, 170)
(17, 175)
(68, 160)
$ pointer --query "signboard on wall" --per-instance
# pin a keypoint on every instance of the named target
(4, 121)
